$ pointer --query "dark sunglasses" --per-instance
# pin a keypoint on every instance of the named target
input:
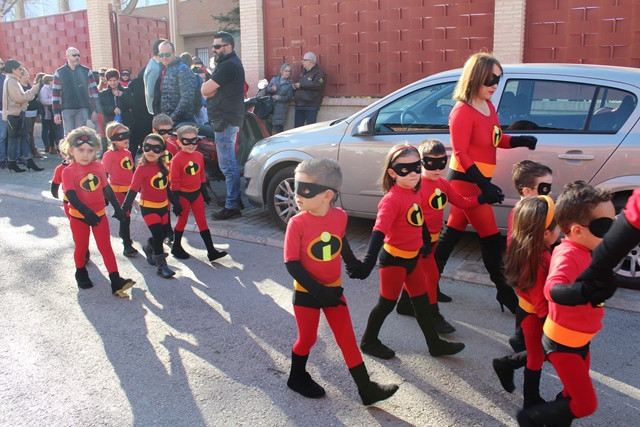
(165, 55)
(309, 190)
(189, 141)
(493, 81)
(218, 46)
(434, 163)
(404, 169)
(544, 188)
(77, 55)
(120, 136)
(165, 131)
(599, 226)
(156, 148)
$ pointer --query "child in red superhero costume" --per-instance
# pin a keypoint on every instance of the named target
(163, 126)
(475, 137)
(528, 258)
(56, 181)
(85, 186)
(436, 194)
(584, 215)
(401, 233)
(151, 180)
(118, 164)
(315, 244)
(188, 182)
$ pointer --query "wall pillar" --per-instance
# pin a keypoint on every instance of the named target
(99, 22)
(508, 30)
(252, 41)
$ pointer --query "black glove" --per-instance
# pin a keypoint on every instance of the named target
(54, 190)
(177, 209)
(324, 295)
(570, 294)
(524, 141)
(205, 193)
(350, 261)
(375, 243)
(119, 214)
(491, 193)
(90, 217)
(328, 296)
(427, 246)
(128, 201)
(597, 291)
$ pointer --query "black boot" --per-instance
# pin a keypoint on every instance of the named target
(299, 379)
(425, 315)
(404, 306)
(492, 249)
(370, 344)
(163, 270)
(176, 249)
(82, 278)
(370, 391)
(449, 238)
(148, 251)
(32, 165)
(168, 236)
(125, 234)
(551, 413)
(516, 341)
(13, 166)
(212, 253)
(504, 367)
(531, 388)
(119, 285)
(442, 297)
(442, 326)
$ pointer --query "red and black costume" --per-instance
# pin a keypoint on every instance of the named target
(314, 247)
(118, 164)
(56, 181)
(86, 187)
(399, 230)
(188, 182)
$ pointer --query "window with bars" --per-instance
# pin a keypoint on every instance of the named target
(203, 53)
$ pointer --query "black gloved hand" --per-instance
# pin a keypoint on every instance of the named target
(91, 218)
(54, 190)
(375, 243)
(128, 201)
(119, 213)
(354, 268)
(177, 209)
(491, 193)
(329, 296)
(426, 249)
(205, 193)
(524, 141)
(597, 291)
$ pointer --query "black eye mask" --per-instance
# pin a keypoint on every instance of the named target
(599, 226)
(189, 141)
(309, 190)
(84, 139)
(544, 188)
(120, 136)
(404, 169)
(434, 163)
(156, 148)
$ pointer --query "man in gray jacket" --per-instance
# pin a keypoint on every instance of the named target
(151, 73)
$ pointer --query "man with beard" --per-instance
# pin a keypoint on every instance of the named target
(224, 93)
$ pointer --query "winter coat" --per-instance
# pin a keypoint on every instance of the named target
(108, 102)
(177, 93)
(312, 83)
(284, 90)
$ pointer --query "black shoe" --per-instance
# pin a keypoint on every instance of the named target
(405, 309)
(225, 213)
(120, 285)
(377, 349)
(504, 371)
(32, 165)
(442, 326)
(148, 252)
(178, 252)
(168, 240)
(443, 297)
(82, 278)
(216, 254)
(222, 202)
(445, 348)
(306, 386)
(129, 251)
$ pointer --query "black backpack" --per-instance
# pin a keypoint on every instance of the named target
(264, 107)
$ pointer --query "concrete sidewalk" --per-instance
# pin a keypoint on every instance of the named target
(256, 226)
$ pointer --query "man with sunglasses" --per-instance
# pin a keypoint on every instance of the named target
(75, 93)
(151, 74)
(178, 86)
(224, 93)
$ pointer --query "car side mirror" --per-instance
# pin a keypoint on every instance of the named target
(364, 128)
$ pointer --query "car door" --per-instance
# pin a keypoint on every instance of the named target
(418, 112)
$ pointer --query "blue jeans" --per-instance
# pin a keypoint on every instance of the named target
(18, 141)
(72, 119)
(305, 114)
(225, 147)
(3, 140)
(48, 134)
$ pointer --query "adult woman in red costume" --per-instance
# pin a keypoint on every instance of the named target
(475, 137)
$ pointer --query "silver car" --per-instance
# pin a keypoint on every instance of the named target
(584, 116)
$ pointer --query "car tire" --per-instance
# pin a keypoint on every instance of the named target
(280, 197)
(627, 273)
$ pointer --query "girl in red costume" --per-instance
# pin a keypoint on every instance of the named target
(118, 164)
(85, 186)
(163, 126)
(314, 246)
(401, 234)
(151, 180)
(584, 214)
(528, 256)
(188, 182)
(475, 137)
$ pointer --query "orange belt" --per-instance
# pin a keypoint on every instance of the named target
(120, 188)
(526, 305)
(486, 168)
(435, 237)
(566, 336)
(156, 205)
(399, 252)
(298, 287)
(76, 213)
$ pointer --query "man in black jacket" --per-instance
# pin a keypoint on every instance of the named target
(308, 91)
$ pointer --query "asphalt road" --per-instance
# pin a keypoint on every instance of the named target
(212, 346)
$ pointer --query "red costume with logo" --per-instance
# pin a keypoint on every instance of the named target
(88, 181)
(57, 181)
(151, 183)
(187, 176)
(118, 164)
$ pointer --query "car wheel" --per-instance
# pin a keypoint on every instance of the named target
(627, 272)
(280, 197)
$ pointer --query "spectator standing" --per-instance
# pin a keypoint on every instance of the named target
(31, 114)
(125, 78)
(308, 91)
(187, 58)
(198, 62)
(116, 102)
(178, 86)
(141, 125)
(225, 107)
(75, 93)
(281, 90)
(150, 78)
(48, 127)
(3, 124)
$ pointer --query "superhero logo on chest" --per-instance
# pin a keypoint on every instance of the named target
(438, 199)
(167, 156)
(414, 215)
(126, 163)
(496, 135)
(191, 168)
(90, 182)
(159, 181)
(325, 247)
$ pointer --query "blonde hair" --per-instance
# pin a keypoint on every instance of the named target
(83, 132)
(477, 70)
(186, 129)
(111, 129)
(161, 119)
